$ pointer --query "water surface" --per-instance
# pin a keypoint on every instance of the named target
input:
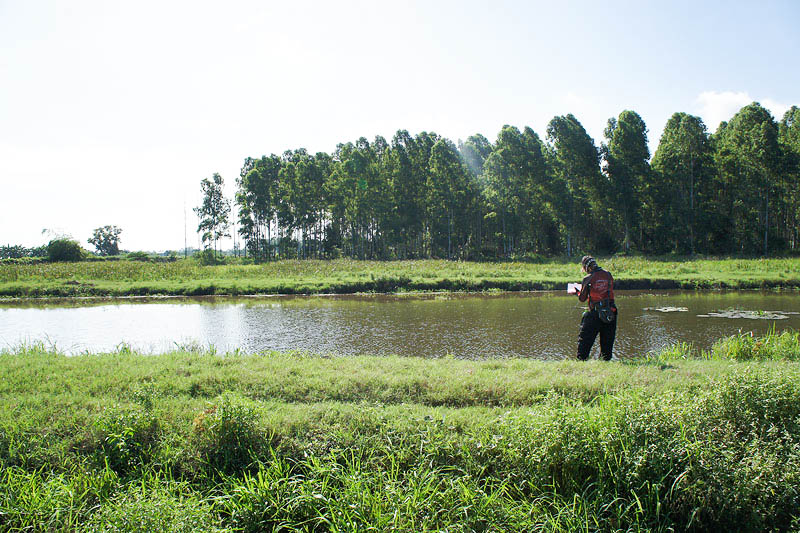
(540, 325)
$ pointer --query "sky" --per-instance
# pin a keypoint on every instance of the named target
(113, 112)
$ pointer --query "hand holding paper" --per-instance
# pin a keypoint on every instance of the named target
(573, 288)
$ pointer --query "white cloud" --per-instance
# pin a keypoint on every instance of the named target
(715, 107)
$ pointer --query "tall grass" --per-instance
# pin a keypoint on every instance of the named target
(744, 346)
(290, 442)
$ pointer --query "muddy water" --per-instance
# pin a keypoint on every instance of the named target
(537, 325)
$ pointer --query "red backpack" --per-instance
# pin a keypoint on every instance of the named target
(601, 292)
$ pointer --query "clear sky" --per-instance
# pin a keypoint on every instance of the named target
(112, 112)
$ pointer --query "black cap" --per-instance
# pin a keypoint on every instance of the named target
(587, 261)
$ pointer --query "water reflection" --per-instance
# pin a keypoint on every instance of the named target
(538, 325)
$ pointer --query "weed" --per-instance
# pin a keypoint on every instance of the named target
(226, 434)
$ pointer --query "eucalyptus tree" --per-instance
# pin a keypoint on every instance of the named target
(749, 159)
(307, 201)
(324, 221)
(407, 195)
(504, 171)
(627, 166)
(257, 200)
(449, 194)
(683, 165)
(474, 151)
(789, 138)
(213, 212)
(378, 194)
(350, 184)
(541, 221)
(420, 154)
(574, 165)
(515, 177)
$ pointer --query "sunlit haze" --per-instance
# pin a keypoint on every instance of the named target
(112, 112)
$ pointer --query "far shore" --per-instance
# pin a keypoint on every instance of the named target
(186, 277)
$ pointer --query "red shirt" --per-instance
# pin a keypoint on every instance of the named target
(599, 285)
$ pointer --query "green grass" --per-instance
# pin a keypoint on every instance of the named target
(187, 277)
(198, 441)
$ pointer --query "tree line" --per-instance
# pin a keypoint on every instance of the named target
(736, 191)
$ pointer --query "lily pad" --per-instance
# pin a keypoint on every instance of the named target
(667, 309)
(750, 315)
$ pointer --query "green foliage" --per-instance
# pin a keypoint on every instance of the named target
(309, 443)
(344, 276)
(155, 504)
(126, 439)
(61, 250)
(679, 199)
(227, 435)
(207, 257)
(21, 252)
(213, 212)
(574, 162)
(106, 240)
(137, 256)
(732, 192)
(783, 346)
(748, 157)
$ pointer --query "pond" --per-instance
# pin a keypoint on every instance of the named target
(541, 325)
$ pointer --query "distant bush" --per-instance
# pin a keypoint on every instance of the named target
(21, 252)
(101, 258)
(148, 257)
(206, 257)
(137, 256)
(64, 250)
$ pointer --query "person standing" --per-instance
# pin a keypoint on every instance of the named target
(597, 288)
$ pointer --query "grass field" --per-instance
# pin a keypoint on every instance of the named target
(190, 441)
(187, 277)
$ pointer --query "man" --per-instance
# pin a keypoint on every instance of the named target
(598, 288)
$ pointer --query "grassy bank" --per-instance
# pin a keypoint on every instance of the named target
(295, 442)
(187, 277)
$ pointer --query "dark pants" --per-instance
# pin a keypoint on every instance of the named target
(591, 325)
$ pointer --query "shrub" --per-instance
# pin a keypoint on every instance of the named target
(64, 250)
(127, 439)
(137, 256)
(207, 257)
(227, 434)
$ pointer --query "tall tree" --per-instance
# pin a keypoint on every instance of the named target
(627, 166)
(574, 163)
(475, 151)
(213, 212)
(507, 190)
(257, 199)
(449, 192)
(407, 193)
(749, 159)
(106, 240)
(683, 164)
(420, 154)
(789, 138)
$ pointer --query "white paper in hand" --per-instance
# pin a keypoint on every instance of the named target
(573, 288)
